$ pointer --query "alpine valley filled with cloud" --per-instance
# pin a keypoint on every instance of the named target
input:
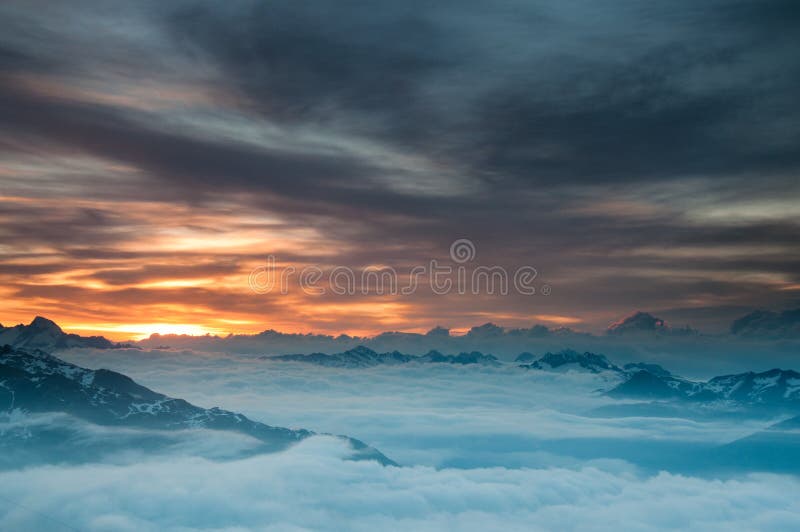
(282, 265)
(98, 435)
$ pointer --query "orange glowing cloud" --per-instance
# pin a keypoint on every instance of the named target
(560, 320)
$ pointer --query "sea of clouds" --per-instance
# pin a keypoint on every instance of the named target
(431, 414)
(310, 487)
(481, 448)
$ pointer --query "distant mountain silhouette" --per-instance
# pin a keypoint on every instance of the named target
(765, 323)
(645, 323)
(363, 357)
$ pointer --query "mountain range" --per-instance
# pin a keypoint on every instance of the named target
(771, 334)
(36, 382)
(773, 388)
(640, 381)
(364, 357)
(757, 330)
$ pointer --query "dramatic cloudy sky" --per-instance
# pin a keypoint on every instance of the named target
(637, 155)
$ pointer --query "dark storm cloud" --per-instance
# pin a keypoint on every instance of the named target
(652, 93)
(302, 61)
(638, 106)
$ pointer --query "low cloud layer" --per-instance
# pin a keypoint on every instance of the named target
(481, 447)
(432, 414)
(267, 493)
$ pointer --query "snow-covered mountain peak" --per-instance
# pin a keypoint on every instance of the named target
(42, 324)
(569, 359)
(34, 381)
(45, 334)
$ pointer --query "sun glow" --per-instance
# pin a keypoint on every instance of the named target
(560, 320)
(140, 331)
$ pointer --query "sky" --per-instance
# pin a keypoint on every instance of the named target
(152, 155)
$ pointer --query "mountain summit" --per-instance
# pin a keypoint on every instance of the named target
(568, 360)
(46, 335)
